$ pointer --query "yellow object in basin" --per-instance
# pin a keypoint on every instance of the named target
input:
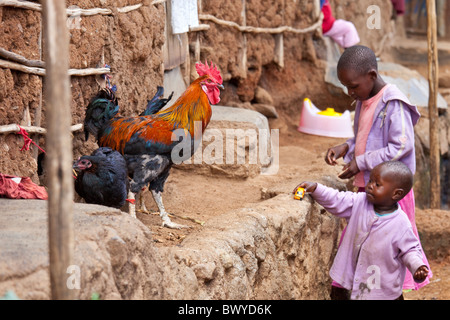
(330, 113)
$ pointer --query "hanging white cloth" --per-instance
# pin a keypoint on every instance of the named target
(184, 15)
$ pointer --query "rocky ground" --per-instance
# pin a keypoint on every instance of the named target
(200, 197)
(433, 228)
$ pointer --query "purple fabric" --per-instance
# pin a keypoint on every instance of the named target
(375, 251)
(409, 207)
(391, 138)
(392, 134)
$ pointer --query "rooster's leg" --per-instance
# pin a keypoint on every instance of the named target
(142, 207)
(163, 213)
(131, 205)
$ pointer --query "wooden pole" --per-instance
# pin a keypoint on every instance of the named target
(435, 202)
(59, 147)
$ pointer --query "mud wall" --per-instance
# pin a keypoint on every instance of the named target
(131, 43)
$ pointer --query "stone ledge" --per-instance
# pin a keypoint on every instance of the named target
(278, 249)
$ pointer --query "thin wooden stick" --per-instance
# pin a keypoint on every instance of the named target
(154, 2)
(251, 29)
(33, 129)
(19, 67)
(88, 12)
(129, 8)
(41, 71)
(243, 59)
(435, 185)
(59, 148)
(38, 111)
(88, 71)
(74, 12)
(21, 4)
(200, 27)
(21, 59)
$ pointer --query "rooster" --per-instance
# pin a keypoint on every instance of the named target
(147, 142)
(102, 178)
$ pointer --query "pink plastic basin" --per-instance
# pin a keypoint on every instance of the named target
(337, 125)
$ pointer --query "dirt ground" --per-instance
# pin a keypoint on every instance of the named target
(433, 226)
(200, 197)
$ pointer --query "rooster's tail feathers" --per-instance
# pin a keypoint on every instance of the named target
(156, 104)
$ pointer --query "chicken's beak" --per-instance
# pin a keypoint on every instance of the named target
(220, 86)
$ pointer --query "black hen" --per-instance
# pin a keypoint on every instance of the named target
(102, 178)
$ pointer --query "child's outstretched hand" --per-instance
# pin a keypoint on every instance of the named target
(308, 186)
(421, 273)
(335, 153)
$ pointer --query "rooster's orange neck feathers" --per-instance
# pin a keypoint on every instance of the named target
(192, 106)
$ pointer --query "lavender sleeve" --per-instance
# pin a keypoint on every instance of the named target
(410, 251)
(338, 203)
(398, 135)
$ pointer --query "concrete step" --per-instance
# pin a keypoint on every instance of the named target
(415, 51)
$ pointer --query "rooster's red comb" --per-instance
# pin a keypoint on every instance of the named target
(204, 69)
